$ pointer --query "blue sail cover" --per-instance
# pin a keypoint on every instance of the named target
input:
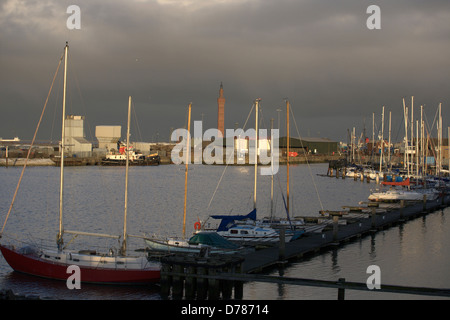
(228, 220)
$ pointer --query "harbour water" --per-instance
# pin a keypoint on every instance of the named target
(411, 254)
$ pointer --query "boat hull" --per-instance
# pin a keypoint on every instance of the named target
(184, 247)
(252, 235)
(397, 195)
(165, 246)
(106, 162)
(32, 264)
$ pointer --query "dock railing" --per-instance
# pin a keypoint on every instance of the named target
(341, 285)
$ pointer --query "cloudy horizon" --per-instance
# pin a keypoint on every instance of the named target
(319, 54)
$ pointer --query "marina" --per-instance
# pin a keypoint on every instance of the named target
(178, 270)
(358, 224)
(222, 157)
(184, 268)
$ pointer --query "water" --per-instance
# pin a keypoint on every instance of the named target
(412, 254)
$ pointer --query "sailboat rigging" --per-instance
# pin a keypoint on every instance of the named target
(105, 268)
(297, 227)
(202, 239)
(245, 229)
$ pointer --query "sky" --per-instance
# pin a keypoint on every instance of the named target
(336, 72)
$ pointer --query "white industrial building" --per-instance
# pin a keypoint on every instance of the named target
(75, 141)
(108, 136)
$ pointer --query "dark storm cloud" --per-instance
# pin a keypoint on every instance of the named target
(320, 54)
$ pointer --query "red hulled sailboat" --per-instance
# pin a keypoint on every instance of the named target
(94, 267)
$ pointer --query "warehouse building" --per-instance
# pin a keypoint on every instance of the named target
(308, 145)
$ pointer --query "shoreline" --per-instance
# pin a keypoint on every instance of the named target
(19, 162)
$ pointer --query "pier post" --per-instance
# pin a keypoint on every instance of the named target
(165, 280)
(341, 291)
(238, 285)
(202, 284)
(424, 203)
(178, 282)
(227, 288)
(402, 206)
(335, 226)
(214, 285)
(282, 248)
(190, 283)
(373, 215)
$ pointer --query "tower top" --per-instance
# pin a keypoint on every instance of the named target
(221, 111)
(221, 90)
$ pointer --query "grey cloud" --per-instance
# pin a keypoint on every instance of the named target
(318, 53)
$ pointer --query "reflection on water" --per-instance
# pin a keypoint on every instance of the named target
(412, 254)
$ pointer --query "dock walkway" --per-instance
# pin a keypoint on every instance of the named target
(314, 243)
(210, 276)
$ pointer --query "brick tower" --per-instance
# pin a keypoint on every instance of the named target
(221, 111)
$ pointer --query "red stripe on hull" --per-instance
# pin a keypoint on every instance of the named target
(35, 266)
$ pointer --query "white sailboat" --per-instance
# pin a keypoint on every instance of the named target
(106, 268)
(404, 194)
(244, 229)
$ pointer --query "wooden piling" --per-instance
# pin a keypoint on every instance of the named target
(335, 226)
(373, 215)
(213, 285)
(282, 245)
(238, 285)
(202, 284)
(341, 291)
(165, 280)
(178, 282)
(402, 206)
(190, 283)
(227, 285)
(199, 277)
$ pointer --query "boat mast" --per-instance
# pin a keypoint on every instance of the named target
(188, 152)
(382, 141)
(59, 238)
(271, 165)
(287, 156)
(124, 241)
(422, 150)
(440, 140)
(256, 151)
(405, 116)
(412, 137)
(417, 149)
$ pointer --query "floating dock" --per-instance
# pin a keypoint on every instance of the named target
(358, 225)
(209, 277)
